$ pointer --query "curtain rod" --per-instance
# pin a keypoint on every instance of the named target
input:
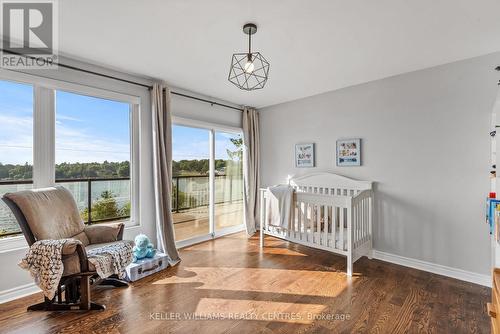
(74, 68)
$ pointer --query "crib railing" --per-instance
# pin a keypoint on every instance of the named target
(325, 220)
(362, 206)
(321, 220)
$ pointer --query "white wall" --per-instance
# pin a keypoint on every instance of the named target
(425, 142)
(13, 279)
(201, 111)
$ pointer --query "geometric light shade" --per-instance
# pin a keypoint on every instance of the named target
(249, 71)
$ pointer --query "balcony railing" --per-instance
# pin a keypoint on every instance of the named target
(188, 192)
(87, 192)
(117, 189)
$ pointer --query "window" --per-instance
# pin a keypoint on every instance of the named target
(93, 154)
(207, 180)
(86, 139)
(16, 146)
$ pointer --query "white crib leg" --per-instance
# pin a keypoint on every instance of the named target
(349, 265)
(262, 215)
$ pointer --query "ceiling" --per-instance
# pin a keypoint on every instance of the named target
(313, 46)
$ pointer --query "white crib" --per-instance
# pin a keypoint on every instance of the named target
(330, 212)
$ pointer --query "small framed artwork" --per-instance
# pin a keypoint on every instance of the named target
(349, 152)
(304, 155)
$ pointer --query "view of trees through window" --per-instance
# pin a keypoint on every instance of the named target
(66, 170)
(191, 188)
(190, 167)
(93, 154)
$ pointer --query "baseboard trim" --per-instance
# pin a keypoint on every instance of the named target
(434, 268)
(18, 292)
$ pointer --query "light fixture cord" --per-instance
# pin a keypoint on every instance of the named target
(250, 45)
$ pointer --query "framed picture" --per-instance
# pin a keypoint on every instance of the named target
(304, 155)
(349, 152)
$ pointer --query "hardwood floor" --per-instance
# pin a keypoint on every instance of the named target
(194, 222)
(286, 288)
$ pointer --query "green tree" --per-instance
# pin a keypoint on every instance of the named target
(21, 172)
(194, 167)
(4, 171)
(69, 170)
(124, 169)
(105, 207)
(236, 154)
(234, 164)
(125, 211)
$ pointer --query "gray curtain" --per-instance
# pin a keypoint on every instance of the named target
(162, 171)
(251, 163)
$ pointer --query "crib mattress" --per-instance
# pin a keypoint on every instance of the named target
(337, 238)
(318, 235)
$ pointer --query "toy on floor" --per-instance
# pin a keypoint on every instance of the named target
(143, 248)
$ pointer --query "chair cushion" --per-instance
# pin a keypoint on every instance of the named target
(72, 262)
(51, 213)
(101, 233)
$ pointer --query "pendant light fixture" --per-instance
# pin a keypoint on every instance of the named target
(249, 70)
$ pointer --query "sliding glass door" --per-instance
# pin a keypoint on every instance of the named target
(228, 180)
(190, 178)
(207, 181)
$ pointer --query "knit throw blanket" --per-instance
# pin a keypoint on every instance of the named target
(44, 261)
(111, 259)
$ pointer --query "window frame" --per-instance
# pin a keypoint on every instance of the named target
(44, 117)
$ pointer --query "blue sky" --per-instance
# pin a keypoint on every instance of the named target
(192, 143)
(91, 129)
(88, 129)
(16, 123)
